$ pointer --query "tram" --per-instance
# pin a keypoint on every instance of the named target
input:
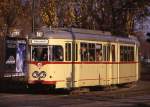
(72, 58)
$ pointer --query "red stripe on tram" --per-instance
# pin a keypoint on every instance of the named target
(44, 82)
(83, 62)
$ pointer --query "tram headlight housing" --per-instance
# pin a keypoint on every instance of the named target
(42, 74)
(35, 74)
(39, 74)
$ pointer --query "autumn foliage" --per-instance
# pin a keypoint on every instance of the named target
(117, 16)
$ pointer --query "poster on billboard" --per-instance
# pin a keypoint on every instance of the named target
(10, 51)
(15, 56)
(20, 56)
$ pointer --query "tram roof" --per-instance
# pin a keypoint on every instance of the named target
(83, 34)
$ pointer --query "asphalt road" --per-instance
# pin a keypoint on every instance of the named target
(36, 100)
(138, 96)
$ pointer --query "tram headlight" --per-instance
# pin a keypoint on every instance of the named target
(35, 74)
(42, 74)
(39, 74)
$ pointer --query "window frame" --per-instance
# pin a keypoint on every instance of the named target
(127, 53)
(40, 55)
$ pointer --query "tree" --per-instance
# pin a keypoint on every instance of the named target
(49, 13)
(126, 12)
(66, 13)
(69, 18)
(10, 10)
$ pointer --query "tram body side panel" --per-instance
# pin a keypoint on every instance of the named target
(97, 74)
(127, 73)
(104, 74)
(61, 73)
(56, 74)
(88, 75)
(137, 62)
(114, 73)
(101, 74)
(128, 70)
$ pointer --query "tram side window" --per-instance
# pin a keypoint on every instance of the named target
(68, 51)
(57, 53)
(76, 53)
(50, 53)
(98, 52)
(91, 52)
(126, 53)
(84, 52)
(121, 53)
(106, 53)
(131, 53)
(113, 52)
(39, 53)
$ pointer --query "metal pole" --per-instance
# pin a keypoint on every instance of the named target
(33, 16)
(73, 57)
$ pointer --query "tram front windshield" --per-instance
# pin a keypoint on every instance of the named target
(39, 53)
(47, 53)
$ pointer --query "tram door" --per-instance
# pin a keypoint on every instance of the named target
(114, 72)
(109, 53)
(107, 64)
(70, 56)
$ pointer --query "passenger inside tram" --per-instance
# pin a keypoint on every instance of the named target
(58, 53)
(39, 54)
(45, 57)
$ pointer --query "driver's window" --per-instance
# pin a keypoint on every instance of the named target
(39, 53)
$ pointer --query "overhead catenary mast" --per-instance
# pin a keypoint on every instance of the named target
(33, 16)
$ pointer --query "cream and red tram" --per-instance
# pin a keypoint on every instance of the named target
(80, 58)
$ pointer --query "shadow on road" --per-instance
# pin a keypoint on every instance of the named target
(20, 87)
(23, 89)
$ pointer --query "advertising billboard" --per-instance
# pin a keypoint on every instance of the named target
(15, 56)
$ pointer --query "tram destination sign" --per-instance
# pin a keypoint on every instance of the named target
(39, 41)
